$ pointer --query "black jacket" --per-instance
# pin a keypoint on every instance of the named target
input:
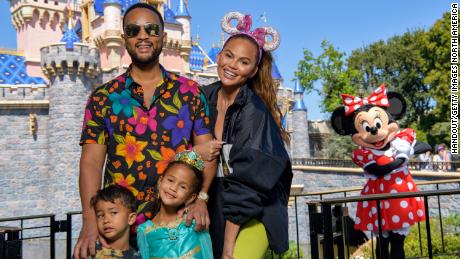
(260, 183)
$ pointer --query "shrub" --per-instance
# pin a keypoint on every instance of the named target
(451, 238)
(451, 227)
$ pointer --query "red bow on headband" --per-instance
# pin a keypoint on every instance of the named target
(378, 97)
(244, 26)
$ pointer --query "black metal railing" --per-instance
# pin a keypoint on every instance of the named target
(317, 219)
(347, 163)
(69, 246)
(16, 232)
(325, 225)
(320, 222)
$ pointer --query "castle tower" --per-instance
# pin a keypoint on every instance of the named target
(72, 71)
(37, 22)
(112, 33)
(183, 17)
(300, 140)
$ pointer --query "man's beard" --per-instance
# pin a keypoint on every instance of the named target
(145, 61)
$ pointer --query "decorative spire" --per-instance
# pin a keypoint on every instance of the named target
(70, 36)
(182, 9)
(298, 89)
(299, 105)
(275, 72)
(169, 15)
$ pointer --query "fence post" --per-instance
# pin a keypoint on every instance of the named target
(338, 229)
(297, 226)
(328, 241)
(52, 237)
(68, 248)
(314, 224)
(428, 231)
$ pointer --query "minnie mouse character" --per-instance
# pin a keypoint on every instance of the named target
(383, 152)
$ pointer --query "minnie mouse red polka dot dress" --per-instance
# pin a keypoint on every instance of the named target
(396, 214)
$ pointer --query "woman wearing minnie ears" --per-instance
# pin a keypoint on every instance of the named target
(248, 198)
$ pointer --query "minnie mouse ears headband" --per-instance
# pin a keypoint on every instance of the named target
(244, 27)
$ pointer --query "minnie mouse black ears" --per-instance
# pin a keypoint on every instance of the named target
(397, 106)
(342, 124)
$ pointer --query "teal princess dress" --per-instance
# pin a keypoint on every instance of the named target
(174, 240)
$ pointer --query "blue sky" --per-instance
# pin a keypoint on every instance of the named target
(303, 24)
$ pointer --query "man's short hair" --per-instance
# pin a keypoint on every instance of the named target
(146, 6)
(113, 192)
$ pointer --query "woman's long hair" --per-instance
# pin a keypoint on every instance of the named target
(263, 85)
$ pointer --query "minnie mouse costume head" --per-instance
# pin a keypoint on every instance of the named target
(371, 120)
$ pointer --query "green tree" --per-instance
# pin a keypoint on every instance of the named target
(437, 70)
(415, 64)
(330, 68)
(399, 63)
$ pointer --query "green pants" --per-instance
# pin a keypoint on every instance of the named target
(252, 241)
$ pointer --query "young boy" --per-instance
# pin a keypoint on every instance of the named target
(115, 208)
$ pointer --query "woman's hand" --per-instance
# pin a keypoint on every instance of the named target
(231, 232)
(227, 256)
(209, 150)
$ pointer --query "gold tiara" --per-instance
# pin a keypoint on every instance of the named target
(191, 158)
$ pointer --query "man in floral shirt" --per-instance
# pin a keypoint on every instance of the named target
(139, 121)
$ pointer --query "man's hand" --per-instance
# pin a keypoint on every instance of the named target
(199, 212)
(209, 150)
(86, 245)
(91, 164)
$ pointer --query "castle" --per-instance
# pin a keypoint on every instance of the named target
(63, 52)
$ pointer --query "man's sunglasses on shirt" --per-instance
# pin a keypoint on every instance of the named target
(132, 30)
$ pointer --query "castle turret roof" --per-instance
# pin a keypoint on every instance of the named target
(13, 71)
(299, 105)
(196, 58)
(69, 37)
(298, 89)
(125, 4)
(118, 2)
(182, 10)
(169, 15)
(275, 72)
(213, 53)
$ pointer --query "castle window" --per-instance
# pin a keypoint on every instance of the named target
(46, 1)
(56, 2)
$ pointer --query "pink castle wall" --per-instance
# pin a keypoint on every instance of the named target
(172, 60)
(35, 34)
(125, 58)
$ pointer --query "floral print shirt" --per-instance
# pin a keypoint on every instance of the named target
(142, 141)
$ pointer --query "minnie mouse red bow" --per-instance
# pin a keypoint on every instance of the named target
(244, 26)
(378, 97)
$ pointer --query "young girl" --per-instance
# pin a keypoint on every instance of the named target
(167, 236)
